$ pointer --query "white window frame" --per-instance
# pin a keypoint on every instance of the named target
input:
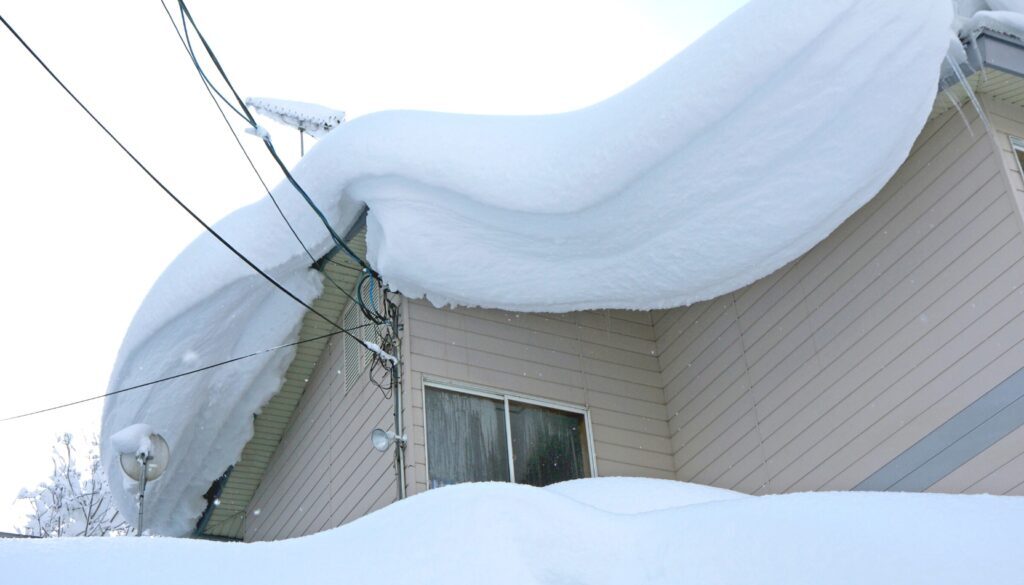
(504, 397)
(1017, 145)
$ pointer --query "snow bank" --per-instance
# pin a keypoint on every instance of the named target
(133, 439)
(503, 533)
(634, 495)
(729, 161)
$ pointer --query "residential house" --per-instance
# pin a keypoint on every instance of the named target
(888, 357)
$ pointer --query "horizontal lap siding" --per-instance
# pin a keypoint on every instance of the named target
(819, 374)
(603, 360)
(997, 470)
(811, 378)
(325, 472)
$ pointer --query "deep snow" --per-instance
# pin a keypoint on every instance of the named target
(503, 533)
(732, 159)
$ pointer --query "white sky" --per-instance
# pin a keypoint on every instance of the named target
(83, 233)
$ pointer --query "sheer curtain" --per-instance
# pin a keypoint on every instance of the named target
(466, 438)
(547, 444)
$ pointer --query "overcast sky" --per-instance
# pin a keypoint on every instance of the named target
(83, 233)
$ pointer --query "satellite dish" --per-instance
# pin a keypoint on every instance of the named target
(156, 462)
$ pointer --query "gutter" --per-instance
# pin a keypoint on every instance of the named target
(986, 48)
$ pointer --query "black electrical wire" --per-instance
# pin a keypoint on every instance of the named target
(270, 147)
(210, 89)
(166, 190)
(176, 376)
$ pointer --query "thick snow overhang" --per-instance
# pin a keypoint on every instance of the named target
(227, 520)
(685, 186)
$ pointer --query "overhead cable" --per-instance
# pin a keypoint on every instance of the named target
(248, 117)
(169, 193)
(211, 90)
(176, 376)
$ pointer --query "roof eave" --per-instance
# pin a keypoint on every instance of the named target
(987, 48)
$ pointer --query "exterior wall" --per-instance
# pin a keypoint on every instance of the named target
(821, 374)
(603, 361)
(846, 369)
(997, 470)
(325, 472)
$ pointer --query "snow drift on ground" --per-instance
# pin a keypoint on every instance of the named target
(732, 159)
(504, 533)
(633, 495)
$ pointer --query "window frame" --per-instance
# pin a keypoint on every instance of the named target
(505, 397)
(1017, 146)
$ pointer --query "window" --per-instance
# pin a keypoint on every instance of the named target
(480, 436)
(1018, 152)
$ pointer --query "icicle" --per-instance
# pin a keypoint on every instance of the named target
(959, 110)
(978, 55)
(970, 92)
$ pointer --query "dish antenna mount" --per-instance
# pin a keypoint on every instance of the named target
(144, 466)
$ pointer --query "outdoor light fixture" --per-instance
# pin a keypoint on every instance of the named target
(382, 439)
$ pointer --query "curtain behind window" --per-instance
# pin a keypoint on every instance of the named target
(466, 440)
(547, 445)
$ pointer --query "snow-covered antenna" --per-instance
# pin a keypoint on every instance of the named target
(310, 119)
(144, 457)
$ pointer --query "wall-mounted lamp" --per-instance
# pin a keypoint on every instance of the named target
(382, 439)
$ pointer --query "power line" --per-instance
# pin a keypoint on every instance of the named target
(163, 187)
(266, 141)
(181, 375)
(210, 89)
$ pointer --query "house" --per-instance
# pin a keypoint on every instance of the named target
(888, 357)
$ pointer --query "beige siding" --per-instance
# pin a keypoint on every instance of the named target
(812, 378)
(1008, 120)
(604, 361)
(325, 472)
(819, 374)
(997, 470)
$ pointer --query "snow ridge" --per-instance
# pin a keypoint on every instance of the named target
(515, 534)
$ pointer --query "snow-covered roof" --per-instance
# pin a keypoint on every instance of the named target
(687, 185)
(1000, 21)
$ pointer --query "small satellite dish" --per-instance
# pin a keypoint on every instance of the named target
(156, 462)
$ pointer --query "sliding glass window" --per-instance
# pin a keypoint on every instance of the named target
(480, 437)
